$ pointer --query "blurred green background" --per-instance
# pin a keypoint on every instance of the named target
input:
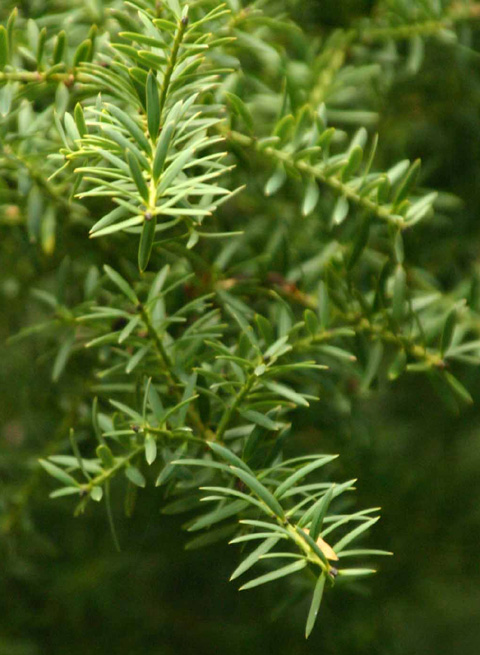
(66, 590)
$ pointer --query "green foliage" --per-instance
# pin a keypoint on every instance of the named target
(207, 317)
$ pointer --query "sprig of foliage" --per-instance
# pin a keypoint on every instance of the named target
(192, 349)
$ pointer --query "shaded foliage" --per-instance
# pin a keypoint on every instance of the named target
(212, 340)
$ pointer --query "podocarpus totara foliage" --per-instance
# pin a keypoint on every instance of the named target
(246, 259)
